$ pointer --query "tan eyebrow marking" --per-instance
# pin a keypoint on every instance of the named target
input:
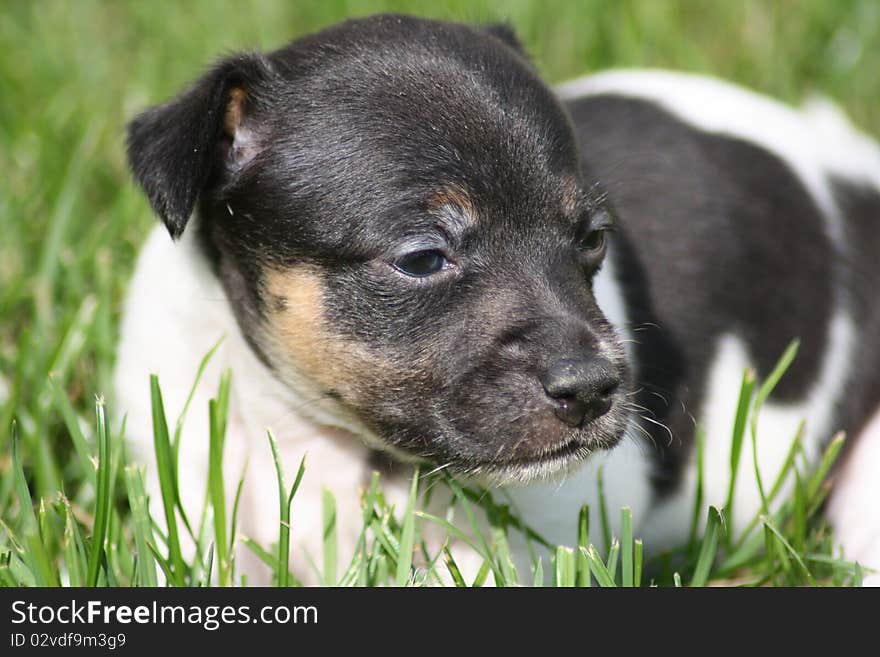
(455, 205)
(572, 197)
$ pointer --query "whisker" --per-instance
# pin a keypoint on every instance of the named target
(662, 426)
(646, 433)
(439, 468)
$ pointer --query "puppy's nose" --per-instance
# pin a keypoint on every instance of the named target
(581, 388)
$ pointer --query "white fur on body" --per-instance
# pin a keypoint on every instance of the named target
(177, 310)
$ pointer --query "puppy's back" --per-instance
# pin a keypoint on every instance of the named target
(745, 224)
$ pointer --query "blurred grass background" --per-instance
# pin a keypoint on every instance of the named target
(72, 73)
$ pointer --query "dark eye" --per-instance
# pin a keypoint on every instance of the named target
(421, 263)
(592, 241)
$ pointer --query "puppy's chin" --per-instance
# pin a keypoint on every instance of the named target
(553, 464)
(549, 468)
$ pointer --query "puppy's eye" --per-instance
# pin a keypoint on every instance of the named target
(421, 263)
(593, 241)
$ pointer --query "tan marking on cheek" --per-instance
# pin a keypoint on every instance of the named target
(300, 336)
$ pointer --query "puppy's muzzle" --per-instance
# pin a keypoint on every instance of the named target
(581, 388)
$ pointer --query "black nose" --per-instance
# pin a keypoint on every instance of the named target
(581, 388)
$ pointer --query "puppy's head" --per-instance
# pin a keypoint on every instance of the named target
(396, 210)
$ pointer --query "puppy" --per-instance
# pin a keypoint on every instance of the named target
(411, 244)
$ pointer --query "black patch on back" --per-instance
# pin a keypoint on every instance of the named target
(718, 236)
(860, 272)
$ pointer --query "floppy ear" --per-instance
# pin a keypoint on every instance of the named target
(506, 33)
(174, 148)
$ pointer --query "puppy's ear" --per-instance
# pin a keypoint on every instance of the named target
(506, 33)
(174, 148)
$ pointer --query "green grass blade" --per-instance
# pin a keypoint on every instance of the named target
(603, 509)
(764, 392)
(481, 576)
(60, 219)
(407, 537)
(234, 522)
(46, 520)
(432, 564)
(829, 456)
(613, 557)
(72, 423)
(583, 563)
(765, 505)
(331, 548)
(857, 576)
(739, 430)
(386, 539)
(538, 579)
(700, 441)
(564, 567)
(15, 572)
(768, 524)
(223, 401)
(74, 550)
(271, 560)
(472, 520)
(368, 511)
(626, 547)
(381, 570)
(181, 419)
(282, 572)
(209, 566)
(351, 576)
(637, 566)
(455, 531)
(143, 533)
(799, 514)
(709, 548)
(600, 571)
(788, 463)
(770, 384)
(35, 553)
(102, 503)
(218, 410)
(162, 563)
(167, 479)
(297, 480)
(453, 569)
(787, 466)
(500, 546)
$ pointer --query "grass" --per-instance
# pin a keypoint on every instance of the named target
(73, 507)
(113, 540)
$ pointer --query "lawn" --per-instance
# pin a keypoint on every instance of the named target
(71, 222)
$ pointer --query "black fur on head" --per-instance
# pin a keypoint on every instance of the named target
(396, 210)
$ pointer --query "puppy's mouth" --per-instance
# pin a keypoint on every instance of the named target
(548, 464)
(548, 450)
(568, 450)
(521, 470)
